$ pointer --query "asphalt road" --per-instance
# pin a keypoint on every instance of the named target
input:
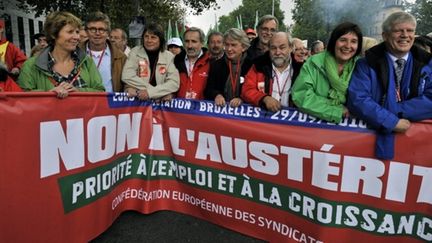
(167, 226)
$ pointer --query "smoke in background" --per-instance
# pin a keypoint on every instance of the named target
(315, 19)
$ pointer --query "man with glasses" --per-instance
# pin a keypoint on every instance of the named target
(107, 57)
(300, 52)
(267, 25)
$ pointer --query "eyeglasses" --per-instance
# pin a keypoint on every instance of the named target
(265, 29)
(94, 30)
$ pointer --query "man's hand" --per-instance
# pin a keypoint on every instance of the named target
(15, 71)
(235, 102)
(220, 100)
(271, 104)
(402, 126)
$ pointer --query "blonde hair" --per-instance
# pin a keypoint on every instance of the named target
(55, 21)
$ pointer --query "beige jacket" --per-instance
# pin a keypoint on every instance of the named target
(167, 76)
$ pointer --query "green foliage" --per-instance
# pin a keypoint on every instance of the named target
(248, 12)
(315, 19)
(422, 10)
(121, 12)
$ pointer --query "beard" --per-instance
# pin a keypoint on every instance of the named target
(279, 61)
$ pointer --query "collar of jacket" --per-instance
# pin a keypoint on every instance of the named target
(179, 60)
(376, 59)
(43, 58)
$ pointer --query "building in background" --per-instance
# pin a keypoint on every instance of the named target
(388, 7)
(20, 26)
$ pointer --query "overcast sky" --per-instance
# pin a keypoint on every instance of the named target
(226, 6)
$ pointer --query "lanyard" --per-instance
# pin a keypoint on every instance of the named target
(280, 91)
(190, 69)
(236, 76)
(101, 57)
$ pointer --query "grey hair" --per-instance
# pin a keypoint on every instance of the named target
(266, 18)
(216, 33)
(99, 16)
(195, 29)
(124, 35)
(288, 36)
(396, 18)
(238, 35)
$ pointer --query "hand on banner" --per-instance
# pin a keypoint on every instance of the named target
(345, 112)
(235, 102)
(63, 89)
(402, 126)
(220, 100)
(167, 97)
(271, 104)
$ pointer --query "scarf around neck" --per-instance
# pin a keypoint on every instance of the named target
(338, 84)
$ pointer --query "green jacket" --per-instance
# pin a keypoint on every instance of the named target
(311, 88)
(34, 75)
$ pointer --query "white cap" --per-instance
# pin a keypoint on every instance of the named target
(175, 41)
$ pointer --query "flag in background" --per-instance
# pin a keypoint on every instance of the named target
(169, 31)
(256, 21)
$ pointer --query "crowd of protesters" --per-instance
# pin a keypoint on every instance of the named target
(388, 84)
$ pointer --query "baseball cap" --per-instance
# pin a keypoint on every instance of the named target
(250, 31)
(175, 41)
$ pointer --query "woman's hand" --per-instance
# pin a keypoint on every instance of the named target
(63, 89)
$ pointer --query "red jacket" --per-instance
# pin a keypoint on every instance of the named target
(259, 82)
(199, 76)
(9, 86)
(14, 57)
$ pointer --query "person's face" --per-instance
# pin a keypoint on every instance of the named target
(68, 38)
(251, 36)
(319, 48)
(266, 31)
(192, 44)
(280, 51)
(97, 33)
(42, 42)
(233, 49)
(215, 45)
(174, 49)
(83, 35)
(151, 41)
(116, 39)
(400, 39)
(346, 47)
(300, 51)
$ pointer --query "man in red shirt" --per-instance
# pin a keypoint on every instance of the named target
(193, 65)
(11, 55)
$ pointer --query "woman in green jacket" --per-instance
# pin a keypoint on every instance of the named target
(320, 89)
(61, 67)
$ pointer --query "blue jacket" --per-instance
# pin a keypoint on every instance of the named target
(371, 77)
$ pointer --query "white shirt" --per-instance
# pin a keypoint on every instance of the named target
(104, 66)
(282, 84)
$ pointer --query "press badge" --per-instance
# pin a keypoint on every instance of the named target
(143, 68)
(260, 86)
(190, 95)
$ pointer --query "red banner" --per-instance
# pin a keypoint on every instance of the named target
(70, 167)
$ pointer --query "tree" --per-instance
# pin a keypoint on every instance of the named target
(422, 11)
(121, 12)
(315, 19)
(247, 11)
